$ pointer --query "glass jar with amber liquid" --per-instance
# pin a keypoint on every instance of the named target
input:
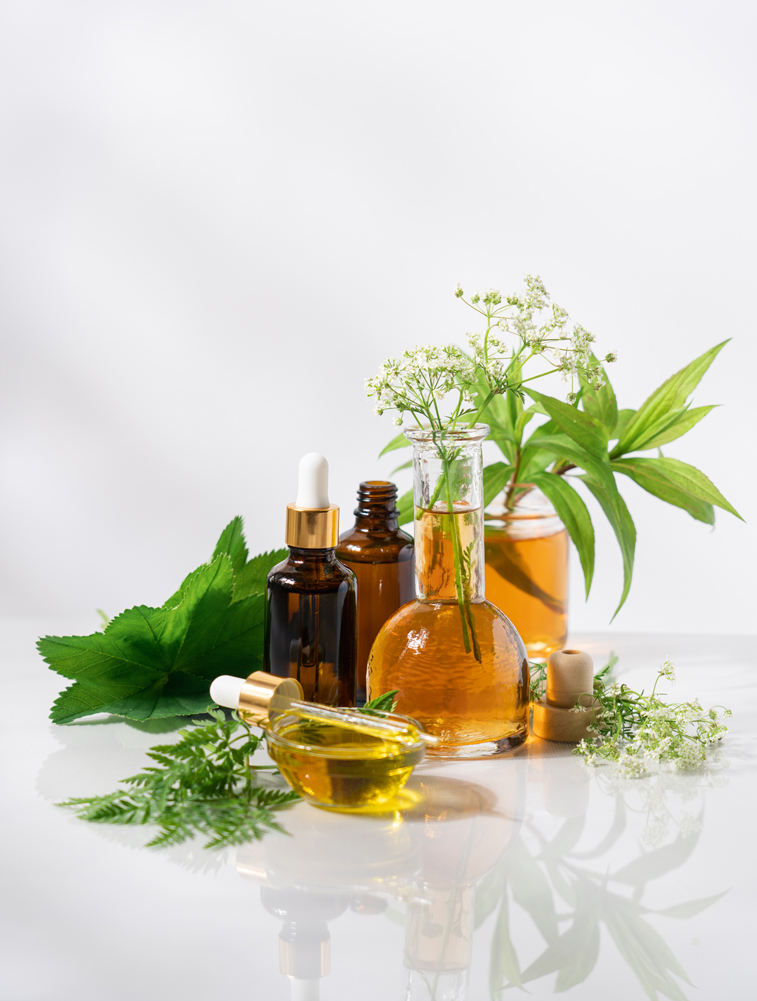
(380, 555)
(455, 660)
(526, 549)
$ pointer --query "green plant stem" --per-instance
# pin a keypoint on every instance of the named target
(463, 600)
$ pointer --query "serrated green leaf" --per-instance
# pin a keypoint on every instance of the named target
(614, 507)
(668, 397)
(587, 432)
(252, 577)
(203, 785)
(399, 442)
(233, 544)
(574, 514)
(652, 474)
(156, 662)
(383, 703)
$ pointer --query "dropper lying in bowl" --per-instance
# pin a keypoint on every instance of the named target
(261, 698)
(341, 759)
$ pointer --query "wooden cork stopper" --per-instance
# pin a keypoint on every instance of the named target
(570, 678)
(570, 674)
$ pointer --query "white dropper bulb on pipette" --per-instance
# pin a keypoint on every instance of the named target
(225, 691)
(313, 482)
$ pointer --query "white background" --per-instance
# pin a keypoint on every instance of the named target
(219, 217)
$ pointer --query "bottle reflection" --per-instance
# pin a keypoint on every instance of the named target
(428, 855)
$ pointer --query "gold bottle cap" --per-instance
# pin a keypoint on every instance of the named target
(258, 691)
(313, 523)
(312, 528)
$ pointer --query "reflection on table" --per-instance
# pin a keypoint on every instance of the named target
(457, 855)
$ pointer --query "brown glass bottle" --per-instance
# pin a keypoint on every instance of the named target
(310, 625)
(381, 555)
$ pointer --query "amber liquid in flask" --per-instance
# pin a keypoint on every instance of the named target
(460, 668)
(381, 556)
(526, 549)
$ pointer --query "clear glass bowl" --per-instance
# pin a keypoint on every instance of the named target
(344, 769)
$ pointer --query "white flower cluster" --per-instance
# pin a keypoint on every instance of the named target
(541, 327)
(638, 731)
(420, 379)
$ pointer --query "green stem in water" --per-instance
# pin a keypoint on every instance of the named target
(463, 601)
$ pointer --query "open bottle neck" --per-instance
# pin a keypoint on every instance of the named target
(377, 506)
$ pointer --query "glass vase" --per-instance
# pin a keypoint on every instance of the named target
(526, 549)
(455, 660)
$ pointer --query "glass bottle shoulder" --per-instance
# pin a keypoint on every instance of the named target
(312, 571)
(375, 546)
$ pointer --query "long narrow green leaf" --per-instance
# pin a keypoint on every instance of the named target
(624, 416)
(676, 483)
(600, 403)
(617, 513)
(655, 482)
(404, 465)
(582, 428)
(574, 514)
(405, 506)
(399, 442)
(671, 395)
(495, 478)
(681, 422)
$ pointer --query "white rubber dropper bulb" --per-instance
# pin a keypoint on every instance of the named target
(225, 691)
(313, 482)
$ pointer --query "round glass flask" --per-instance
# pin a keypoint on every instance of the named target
(526, 548)
(454, 658)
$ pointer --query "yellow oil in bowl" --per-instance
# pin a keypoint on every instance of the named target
(338, 768)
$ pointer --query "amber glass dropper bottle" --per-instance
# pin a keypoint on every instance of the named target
(310, 627)
(381, 555)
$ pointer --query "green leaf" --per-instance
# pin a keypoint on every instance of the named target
(655, 481)
(574, 514)
(406, 508)
(383, 703)
(496, 477)
(510, 564)
(672, 480)
(202, 784)
(600, 403)
(617, 513)
(582, 428)
(405, 465)
(156, 662)
(679, 422)
(670, 396)
(232, 543)
(624, 416)
(399, 442)
(504, 968)
(252, 577)
(690, 908)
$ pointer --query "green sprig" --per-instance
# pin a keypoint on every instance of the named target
(638, 731)
(203, 784)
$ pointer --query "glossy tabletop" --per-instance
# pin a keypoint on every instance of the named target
(529, 870)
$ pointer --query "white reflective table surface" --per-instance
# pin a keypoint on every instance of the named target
(528, 870)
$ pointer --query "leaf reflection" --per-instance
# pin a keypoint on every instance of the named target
(545, 876)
